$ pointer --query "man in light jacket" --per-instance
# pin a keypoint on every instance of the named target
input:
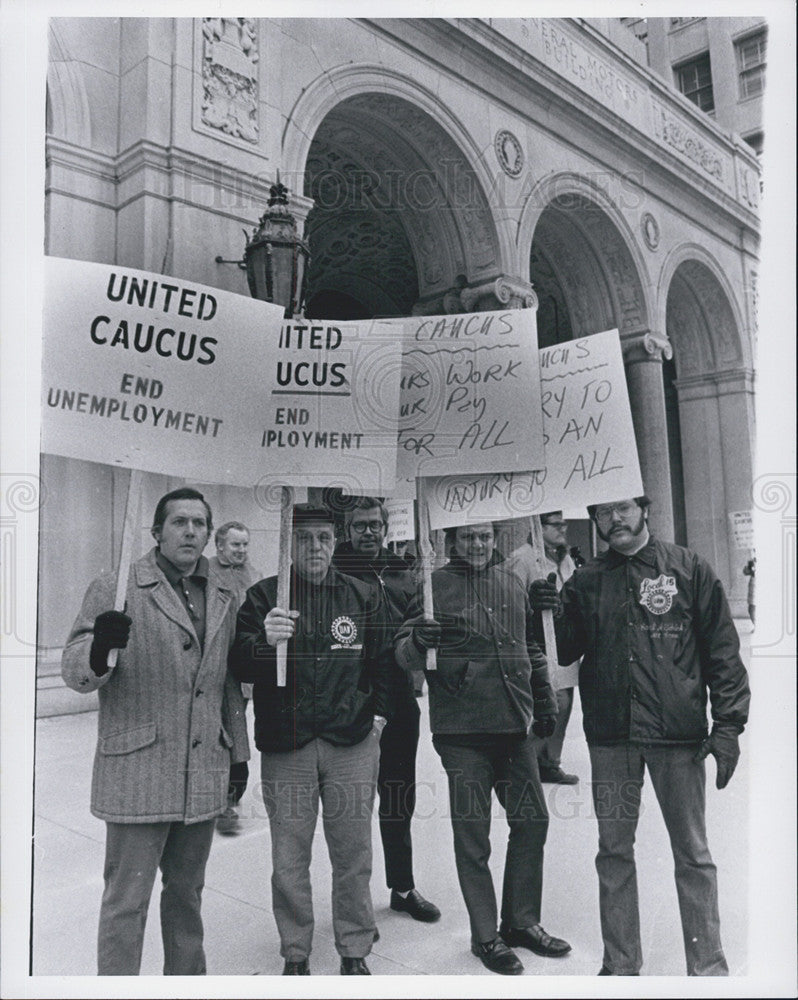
(171, 720)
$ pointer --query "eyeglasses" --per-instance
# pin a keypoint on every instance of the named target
(360, 527)
(624, 509)
(554, 524)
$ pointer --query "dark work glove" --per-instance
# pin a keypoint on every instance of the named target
(544, 726)
(724, 745)
(426, 632)
(111, 631)
(543, 594)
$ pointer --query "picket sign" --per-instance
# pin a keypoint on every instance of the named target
(284, 573)
(539, 552)
(129, 533)
(425, 550)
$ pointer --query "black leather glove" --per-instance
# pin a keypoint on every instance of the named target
(724, 745)
(543, 594)
(544, 726)
(426, 632)
(111, 631)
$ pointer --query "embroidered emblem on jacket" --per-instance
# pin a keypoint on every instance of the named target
(344, 630)
(657, 595)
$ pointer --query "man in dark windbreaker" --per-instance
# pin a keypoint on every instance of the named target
(654, 627)
(319, 735)
(364, 556)
(490, 683)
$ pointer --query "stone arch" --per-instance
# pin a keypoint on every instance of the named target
(709, 392)
(698, 309)
(68, 114)
(400, 209)
(583, 256)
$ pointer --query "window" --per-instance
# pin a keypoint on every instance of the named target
(756, 141)
(694, 79)
(751, 64)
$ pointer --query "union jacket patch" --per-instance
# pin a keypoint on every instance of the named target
(657, 595)
(344, 631)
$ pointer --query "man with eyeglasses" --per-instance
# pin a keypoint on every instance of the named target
(561, 567)
(170, 724)
(491, 682)
(364, 556)
(653, 626)
(319, 734)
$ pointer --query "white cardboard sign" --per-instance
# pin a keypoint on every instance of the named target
(470, 395)
(400, 520)
(591, 453)
(168, 376)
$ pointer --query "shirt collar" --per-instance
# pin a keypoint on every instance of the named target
(646, 555)
(174, 575)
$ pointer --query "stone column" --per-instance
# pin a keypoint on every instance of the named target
(643, 355)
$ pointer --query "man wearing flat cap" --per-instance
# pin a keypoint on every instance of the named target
(319, 735)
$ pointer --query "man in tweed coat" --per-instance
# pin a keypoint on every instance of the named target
(171, 720)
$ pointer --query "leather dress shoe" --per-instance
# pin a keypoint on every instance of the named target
(496, 956)
(536, 939)
(556, 776)
(354, 967)
(297, 968)
(415, 904)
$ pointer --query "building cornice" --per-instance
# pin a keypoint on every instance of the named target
(556, 96)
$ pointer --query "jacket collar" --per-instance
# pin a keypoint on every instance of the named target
(647, 555)
(459, 565)
(149, 571)
(347, 560)
(331, 580)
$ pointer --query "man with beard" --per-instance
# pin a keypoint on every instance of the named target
(364, 556)
(653, 626)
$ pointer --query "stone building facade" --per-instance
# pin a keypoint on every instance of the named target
(437, 165)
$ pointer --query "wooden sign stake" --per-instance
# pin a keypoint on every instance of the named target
(284, 572)
(129, 533)
(425, 550)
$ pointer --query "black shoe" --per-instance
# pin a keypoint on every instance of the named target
(604, 971)
(354, 967)
(229, 822)
(496, 956)
(536, 939)
(415, 904)
(376, 933)
(297, 968)
(556, 776)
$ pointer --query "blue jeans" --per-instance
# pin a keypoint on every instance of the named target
(680, 786)
(344, 778)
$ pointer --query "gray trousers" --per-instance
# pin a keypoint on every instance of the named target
(550, 749)
(510, 769)
(680, 786)
(344, 779)
(133, 854)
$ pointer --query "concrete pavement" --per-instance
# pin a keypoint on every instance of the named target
(241, 937)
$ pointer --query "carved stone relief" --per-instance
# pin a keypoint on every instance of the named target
(669, 130)
(230, 76)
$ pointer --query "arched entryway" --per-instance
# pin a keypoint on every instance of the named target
(589, 276)
(709, 387)
(399, 214)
